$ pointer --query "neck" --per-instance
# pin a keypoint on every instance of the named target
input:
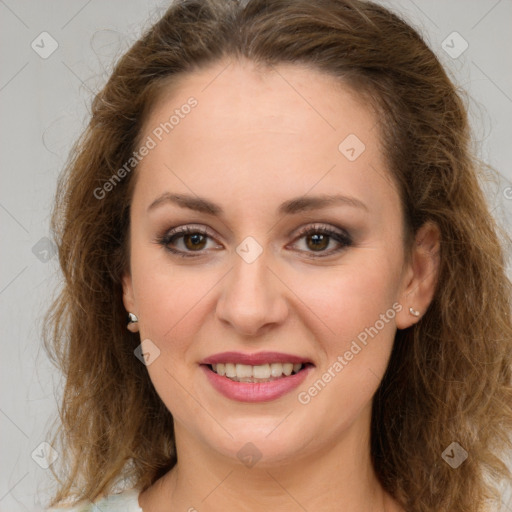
(340, 476)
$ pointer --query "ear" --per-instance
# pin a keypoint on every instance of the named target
(128, 295)
(420, 276)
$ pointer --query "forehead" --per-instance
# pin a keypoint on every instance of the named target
(239, 95)
(279, 131)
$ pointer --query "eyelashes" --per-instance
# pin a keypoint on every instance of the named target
(322, 234)
(196, 237)
(185, 233)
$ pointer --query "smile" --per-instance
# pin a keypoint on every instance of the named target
(260, 383)
(259, 373)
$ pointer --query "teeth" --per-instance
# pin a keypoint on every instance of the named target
(230, 370)
(261, 371)
(276, 369)
(248, 373)
(287, 368)
(243, 371)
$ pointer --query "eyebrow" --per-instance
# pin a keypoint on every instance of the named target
(290, 207)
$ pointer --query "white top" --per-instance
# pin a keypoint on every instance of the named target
(127, 501)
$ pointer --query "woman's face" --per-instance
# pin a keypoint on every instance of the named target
(271, 265)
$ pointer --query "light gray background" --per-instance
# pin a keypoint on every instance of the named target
(44, 106)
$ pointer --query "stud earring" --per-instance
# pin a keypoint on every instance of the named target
(132, 323)
(414, 312)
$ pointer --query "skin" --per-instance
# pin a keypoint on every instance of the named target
(256, 139)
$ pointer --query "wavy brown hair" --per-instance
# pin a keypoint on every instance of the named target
(449, 376)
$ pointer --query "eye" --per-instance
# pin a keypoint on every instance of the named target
(318, 238)
(193, 240)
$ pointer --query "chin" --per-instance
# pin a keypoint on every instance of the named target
(269, 444)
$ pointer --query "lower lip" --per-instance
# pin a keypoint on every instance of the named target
(255, 391)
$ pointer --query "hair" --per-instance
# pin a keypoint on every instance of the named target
(449, 375)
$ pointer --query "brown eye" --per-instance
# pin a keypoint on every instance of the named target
(185, 241)
(318, 238)
(319, 241)
(194, 241)
(190, 241)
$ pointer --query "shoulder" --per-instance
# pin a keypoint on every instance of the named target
(126, 501)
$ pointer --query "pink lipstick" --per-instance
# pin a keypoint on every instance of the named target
(259, 377)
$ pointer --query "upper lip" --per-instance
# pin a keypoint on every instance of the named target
(254, 359)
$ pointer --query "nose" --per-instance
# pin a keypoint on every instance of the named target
(253, 298)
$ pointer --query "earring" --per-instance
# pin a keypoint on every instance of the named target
(414, 312)
(132, 321)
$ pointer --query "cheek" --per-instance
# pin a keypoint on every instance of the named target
(171, 298)
(352, 313)
(349, 298)
(338, 302)
(354, 322)
(169, 304)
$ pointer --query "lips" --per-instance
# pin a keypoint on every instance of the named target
(253, 389)
(255, 359)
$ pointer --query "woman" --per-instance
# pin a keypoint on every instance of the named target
(282, 199)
